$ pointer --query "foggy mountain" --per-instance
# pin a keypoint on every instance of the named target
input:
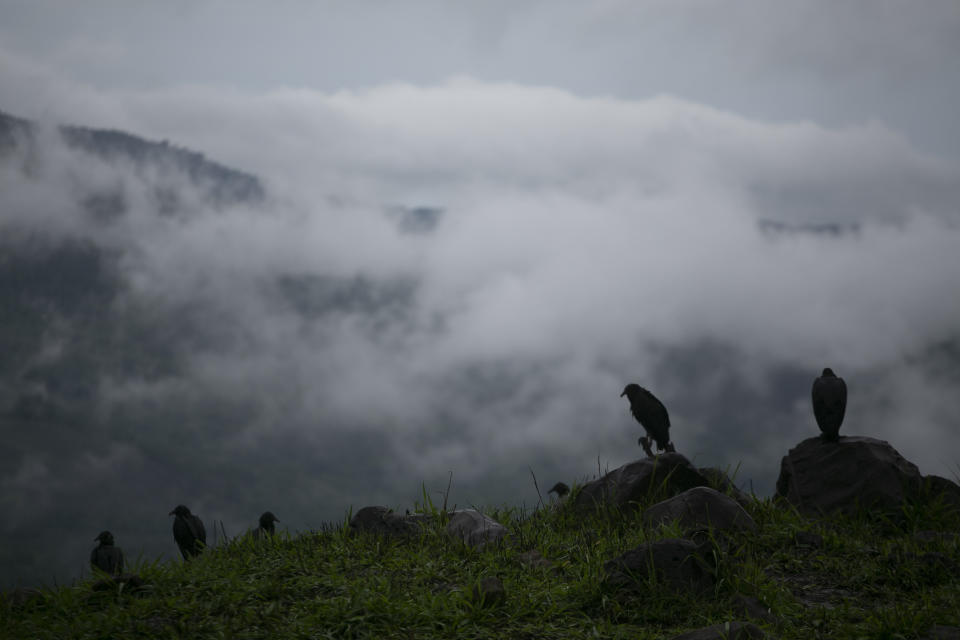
(176, 331)
(97, 405)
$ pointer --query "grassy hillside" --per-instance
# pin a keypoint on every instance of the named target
(871, 576)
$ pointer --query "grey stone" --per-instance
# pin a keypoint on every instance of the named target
(673, 562)
(724, 631)
(383, 521)
(634, 481)
(474, 528)
(854, 473)
(700, 507)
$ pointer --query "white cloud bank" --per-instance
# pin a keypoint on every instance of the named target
(584, 243)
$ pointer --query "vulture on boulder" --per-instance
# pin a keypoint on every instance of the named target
(652, 416)
(829, 395)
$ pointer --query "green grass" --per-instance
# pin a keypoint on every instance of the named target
(869, 579)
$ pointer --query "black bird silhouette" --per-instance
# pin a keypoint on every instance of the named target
(266, 524)
(652, 416)
(188, 531)
(829, 395)
(105, 556)
(561, 489)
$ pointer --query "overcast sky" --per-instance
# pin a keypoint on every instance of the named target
(616, 192)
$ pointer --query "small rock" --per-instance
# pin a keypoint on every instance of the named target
(475, 529)
(674, 563)
(699, 507)
(725, 631)
(383, 521)
(489, 592)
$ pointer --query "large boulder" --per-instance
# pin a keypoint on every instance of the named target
(672, 563)
(665, 475)
(698, 508)
(855, 473)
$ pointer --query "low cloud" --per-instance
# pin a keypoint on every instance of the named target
(306, 352)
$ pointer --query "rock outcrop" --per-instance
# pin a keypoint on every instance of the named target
(667, 474)
(854, 473)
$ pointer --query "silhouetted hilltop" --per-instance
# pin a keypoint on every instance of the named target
(58, 285)
(220, 184)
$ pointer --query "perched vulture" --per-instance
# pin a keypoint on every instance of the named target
(829, 395)
(266, 524)
(188, 531)
(561, 489)
(652, 416)
(105, 556)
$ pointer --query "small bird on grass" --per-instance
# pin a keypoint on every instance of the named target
(652, 416)
(266, 527)
(829, 396)
(561, 489)
(105, 556)
(188, 531)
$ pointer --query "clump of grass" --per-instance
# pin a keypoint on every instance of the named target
(867, 578)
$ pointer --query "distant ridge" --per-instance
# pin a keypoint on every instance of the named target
(222, 184)
(776, 227)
